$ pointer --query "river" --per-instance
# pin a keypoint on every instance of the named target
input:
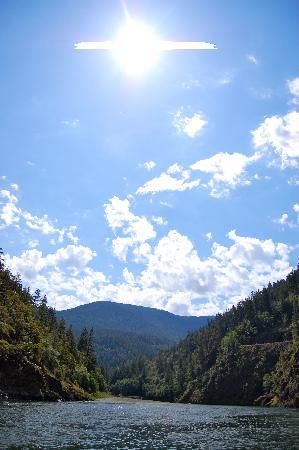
(123, 424)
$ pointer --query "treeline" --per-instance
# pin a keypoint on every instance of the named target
(123, 332)
(30, 333)
(248, 352)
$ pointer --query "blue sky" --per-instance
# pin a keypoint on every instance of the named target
(177, 189)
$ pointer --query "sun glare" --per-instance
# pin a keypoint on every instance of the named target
(136, 48)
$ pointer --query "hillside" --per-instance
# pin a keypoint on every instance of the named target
(39, 356)
(123, 331)
(247, 355)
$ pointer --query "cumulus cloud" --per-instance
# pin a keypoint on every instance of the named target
(63, 275)
(191, 126)
(32, 262)
(176, 178)
(285, 222)
(180, 281)
(9, 212)
(227, 170)
(136, 229)
(280, 135)
(293, 86)
(149, 165)
(174, 276)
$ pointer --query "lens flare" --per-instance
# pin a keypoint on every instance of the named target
(136, 48)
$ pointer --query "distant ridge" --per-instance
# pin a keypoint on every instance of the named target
(125, 331)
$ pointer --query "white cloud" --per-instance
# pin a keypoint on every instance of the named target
(174, 179)
(296, 209)
(73, 123)
(209, 236)
(159, 220)
(293, 181)
(128, 277)
(189, 125)
(252, 59)
(175, 270)
(174, 278)
(226, 78)
(64, 275)
(32, 262)
(9, 212)
(42, 224)
(121, 246)
(33, 243)
(228, 170)
(284, 221)
(149, 165)
(13, 215)
(293, 86)
(136, 229)
(117, 212)
(166, 204)
(75, 257)
(280, 134)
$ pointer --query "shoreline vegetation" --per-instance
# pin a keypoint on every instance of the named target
(248, 355)
(40, 359)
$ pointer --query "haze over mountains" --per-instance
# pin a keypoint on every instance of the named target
(123, 331)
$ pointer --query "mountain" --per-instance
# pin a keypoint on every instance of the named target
(123, 331)
(39, 356)
(247, 355)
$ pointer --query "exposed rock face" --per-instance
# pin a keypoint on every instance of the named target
(21, 379)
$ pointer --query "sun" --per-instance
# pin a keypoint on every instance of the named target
(136, 48)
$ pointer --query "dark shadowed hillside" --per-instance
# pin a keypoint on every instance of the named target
(123, 332)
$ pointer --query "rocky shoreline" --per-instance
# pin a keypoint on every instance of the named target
(21, 379)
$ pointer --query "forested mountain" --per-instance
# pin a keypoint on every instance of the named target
(122, 332)
(39, 356)
(247, 355)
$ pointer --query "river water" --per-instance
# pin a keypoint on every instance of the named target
(117, 424)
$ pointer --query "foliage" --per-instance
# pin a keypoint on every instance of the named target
(123, 332)
(241, 354)
(29, 326)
